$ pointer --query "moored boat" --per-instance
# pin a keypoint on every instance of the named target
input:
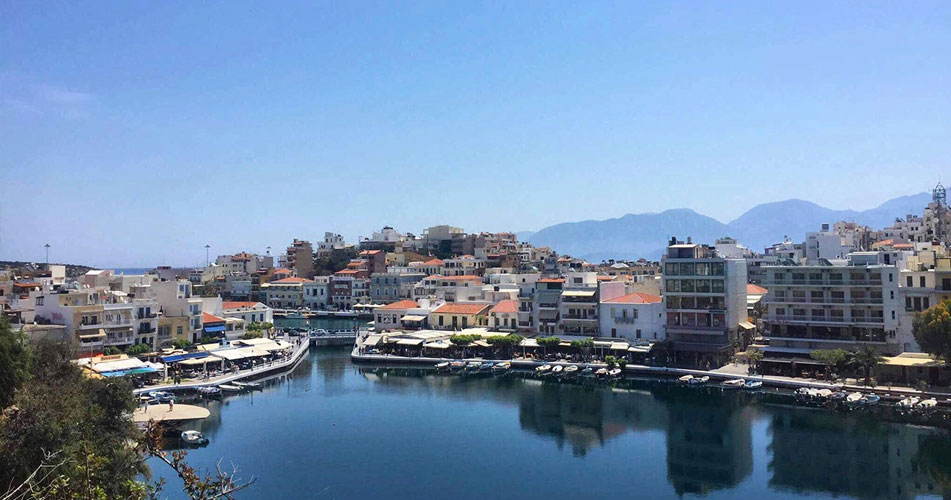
(473, 365)
(734, 384)
(587, 370)
(209, 391)
(908, 402)
(927, 404)
(248, 385)
(457, 365)
(230, 388)
(616, 372)
(871, 399)
(698, 381)
(685, 379)
(601, 372)
(752, 385)
(486, 365)
(503, 366)
(571, 369)
(854, 398)
(194, 438)
(557, 369)
(442, 366)
(543, 368)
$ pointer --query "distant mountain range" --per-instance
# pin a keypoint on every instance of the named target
(646, 235)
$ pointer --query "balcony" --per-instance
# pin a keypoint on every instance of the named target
(547, 306)
(580, 317)
(696, 329)
(624, 320)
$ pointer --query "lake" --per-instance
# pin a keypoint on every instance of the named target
(335, 430)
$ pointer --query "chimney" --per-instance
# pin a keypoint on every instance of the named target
(688, 240)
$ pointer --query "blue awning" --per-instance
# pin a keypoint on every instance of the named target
(214, 329)
(130, 371)
(179, 357)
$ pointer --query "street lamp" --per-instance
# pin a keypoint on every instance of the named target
(47, 246)
(206, 254)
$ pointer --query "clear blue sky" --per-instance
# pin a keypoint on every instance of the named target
(133, 133)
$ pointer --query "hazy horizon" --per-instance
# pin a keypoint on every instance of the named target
(134, 134)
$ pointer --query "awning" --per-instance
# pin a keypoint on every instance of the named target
(437, 345)
(413, 317)
(118, 365)
(578, 293)
(747, 325)
(214, 329)
(409, 341)
(91, 336)
(481, 343)
(178, 357)
(198, 361)
(698, 347)
(547, 314)
(372, 340)
(132, 371)
(798, 361)
(529, 343)
(787, 350)
(620, 346)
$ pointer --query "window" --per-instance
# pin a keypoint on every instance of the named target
(179, 331)
(921, 281)
(39, 301)
(637, 333)
(910, 281)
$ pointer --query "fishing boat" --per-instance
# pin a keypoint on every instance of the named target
(209, 391)
(248, 385)
(601, 372)
(854, 398)
(457, 365)
(486, 366)
(571, 370)
(557, 369)
(501, 367)
(908, 402)
(927, 404)
(587, 371)
(730, 385)
(698, 381)
(542, 369)
(444, 366)
(752, 385)
(616, 372)
(824, 393)
(230, 388)
(838, 395)
(871, 399)
(194, 438)
(685, 379)
(473, 366)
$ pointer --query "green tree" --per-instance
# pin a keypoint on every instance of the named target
(111, 350)
(15, 362)
(829, 357)
(546, 342)
(754, 356)
(181, 344)
(932, 330)
(867, 358)
(137, 349)
(610, 360)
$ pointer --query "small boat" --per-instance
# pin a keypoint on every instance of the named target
(473, 365)
(571, 370)
(908, 402)
(685, 379)
(557, 369)
(854, 398)
(587, 371)
(927, 404)
(734, 384)
(824, 393)
(457, 365)
(698, 381)
(542, 368)
(194, 438)
(505, 365)
(209, 391)
(248, 385)
(487, 365)
(442, 366)
(752, 385)
(162, 396)
(230, 388)
(838, 395)
(614, 373)
(601, 372)
(871, 399)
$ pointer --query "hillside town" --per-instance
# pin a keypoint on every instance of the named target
(844, 286)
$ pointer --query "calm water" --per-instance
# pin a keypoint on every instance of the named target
(335, 430)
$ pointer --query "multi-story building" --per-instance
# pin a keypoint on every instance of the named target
(393, 286)
(449, 288)
(244, 262)
(287, 293)
(705, 304)
(464, 265)
(845, 305)
(249, 312)
(390, 316)
(458, 316)
(578, 304)
(95, 318)
(547, 304)
(317, 293)
(631, 315)
(299, 256)
(331, 242)
(176, 300)
(373, 261)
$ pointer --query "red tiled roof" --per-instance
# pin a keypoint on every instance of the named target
(347, 271)
(290, 280)
(433, 262)
(459, 308)
(752, 289)
(370, 252)
(605, 278)
(505, 306)
(552, 280)
(283, 270)
(467, 277)
(635, 298)
(403, 304)
(903, 245)
(237, 305)
(210, 318)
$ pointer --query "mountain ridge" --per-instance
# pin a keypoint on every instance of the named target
(645, 234)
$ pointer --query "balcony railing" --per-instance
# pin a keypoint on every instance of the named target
(795, 318)
(624, 320)
(826, 282)
(581, 317)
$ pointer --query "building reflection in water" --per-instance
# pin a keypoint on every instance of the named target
(820, 451)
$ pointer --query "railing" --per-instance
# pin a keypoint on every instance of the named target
(580, 317)
(825, 282)
(625, 319)
(830, 300)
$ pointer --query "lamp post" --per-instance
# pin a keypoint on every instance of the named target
(47, 247)
(206, 254)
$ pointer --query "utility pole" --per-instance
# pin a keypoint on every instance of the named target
(206, 254)
(47, 246)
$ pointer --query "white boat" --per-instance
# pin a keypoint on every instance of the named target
(752, 385)
(615, 372)
(209, 391)
(698, 381)
(543, 368)
(230, 388)
(571, 370)
(685, 379)
(734, 384)
(505, 365)
(442, 366)
(854, 398)
(601, 372)
(823, 393)
(557, 369)
(194, 438)
(927, 404)
(908, 402)
(473, 365)
(248, 385)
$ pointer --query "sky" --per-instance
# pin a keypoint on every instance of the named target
(135, 133)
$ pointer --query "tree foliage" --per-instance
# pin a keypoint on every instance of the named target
(867, 358)
(15, 361)
(336, 260)
(181, 344)
(510, 340)
(829, 357)
(582, 343)
(137, 349)
(548, 341)
(932, 330)
(464, 339)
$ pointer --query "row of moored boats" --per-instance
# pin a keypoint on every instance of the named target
(164, 397)
(734, 384)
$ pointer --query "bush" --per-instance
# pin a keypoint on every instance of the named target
(210, 339)
(137, 349)
(548, 341)
(610, 360)
(622, 362)
(253, 334)
(460, 339)
(582, 343)
(182, 344)
(510, 340)
(110, 350)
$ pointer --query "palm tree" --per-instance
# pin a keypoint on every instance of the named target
(754, 356)
(868, 358)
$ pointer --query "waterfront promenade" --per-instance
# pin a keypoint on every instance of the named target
(301, 346)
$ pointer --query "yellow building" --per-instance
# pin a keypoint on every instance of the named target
(456, 316)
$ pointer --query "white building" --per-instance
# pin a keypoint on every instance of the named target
(633, 316)
(175, 300)
(249, 312)
(317, 293)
